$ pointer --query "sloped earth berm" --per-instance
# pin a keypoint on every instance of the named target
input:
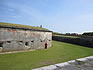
(78, 64)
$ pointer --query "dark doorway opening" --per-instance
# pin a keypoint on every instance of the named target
(45, 45)
(1, 44)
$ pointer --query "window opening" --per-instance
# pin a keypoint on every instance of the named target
(21, 42)
(1, 44)
(8, 42)
(41, 41)
(32, 41)
(26, 43)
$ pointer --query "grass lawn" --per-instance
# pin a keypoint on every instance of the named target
(59, 52)
(68, 36)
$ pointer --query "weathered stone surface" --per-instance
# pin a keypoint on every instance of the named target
(68, 67)
(78, 64)
(51, 67)
(17, 39)
(88, 42)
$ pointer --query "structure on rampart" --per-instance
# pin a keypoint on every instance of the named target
(21, 38)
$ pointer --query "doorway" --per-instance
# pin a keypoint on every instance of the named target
(45, 45)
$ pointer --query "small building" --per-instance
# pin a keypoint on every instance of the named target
(13, 38)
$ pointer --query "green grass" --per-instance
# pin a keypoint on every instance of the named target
(56, 33)
(68, 36)
(59, 52)
(20, 25)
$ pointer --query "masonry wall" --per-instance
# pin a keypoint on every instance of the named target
(88, 42)
(17, 39)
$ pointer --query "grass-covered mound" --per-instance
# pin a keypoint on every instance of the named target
(59, 52)
(63, 35)
(20, 25)
(67, 36)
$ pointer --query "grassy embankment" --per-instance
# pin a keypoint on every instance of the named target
(63, 35)
(59, 52)
(20, 25)
(68, 36)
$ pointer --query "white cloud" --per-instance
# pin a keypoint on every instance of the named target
(10, 9)
(13, 16)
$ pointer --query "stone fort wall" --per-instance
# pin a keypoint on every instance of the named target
(18, 39)
(83, 41)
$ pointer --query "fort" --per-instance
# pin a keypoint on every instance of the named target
(13, 38)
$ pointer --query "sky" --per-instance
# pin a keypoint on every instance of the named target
(64, 16)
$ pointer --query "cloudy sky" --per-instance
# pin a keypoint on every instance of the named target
(57, 15)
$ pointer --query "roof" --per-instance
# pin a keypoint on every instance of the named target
(22, 27)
